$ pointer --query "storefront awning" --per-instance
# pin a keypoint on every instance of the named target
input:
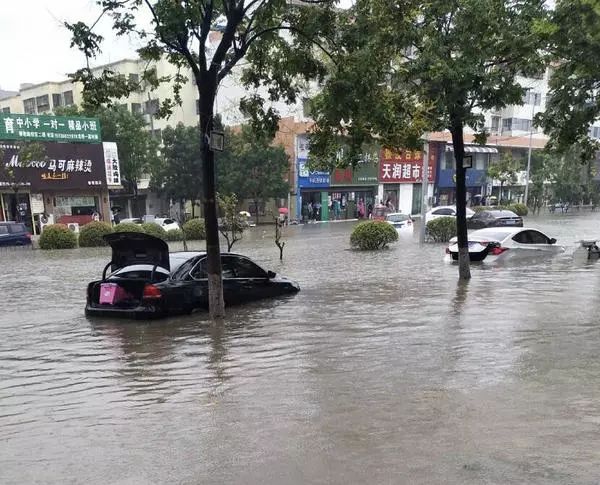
(474, 149)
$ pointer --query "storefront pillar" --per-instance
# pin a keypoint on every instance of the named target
(324, 206)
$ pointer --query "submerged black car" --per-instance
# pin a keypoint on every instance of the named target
(143, 280)
(494, 218)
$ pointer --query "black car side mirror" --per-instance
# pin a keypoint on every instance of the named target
(271, 274)
(552, 241)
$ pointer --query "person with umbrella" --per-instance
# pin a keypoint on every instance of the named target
(283, 215)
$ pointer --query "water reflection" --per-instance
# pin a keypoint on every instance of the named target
(383, 369)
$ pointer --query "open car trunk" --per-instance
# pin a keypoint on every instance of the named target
(116, 293)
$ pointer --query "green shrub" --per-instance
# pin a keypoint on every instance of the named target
(519, 209)
(128, 227)
(194, 229)
(373, 235)
(442, 229)
(175, 235)
(154, 230)
(58, 236)
(90, 235)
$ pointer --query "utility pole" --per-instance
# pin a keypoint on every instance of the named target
(529, 151)
(424, 190)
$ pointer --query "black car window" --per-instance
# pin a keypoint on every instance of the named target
(16, 228)
(443, 212)
(522, 237)
(244, 268)
(537, 238)
(182, 273)
(199, 271)
(3, 229)
(168, 221)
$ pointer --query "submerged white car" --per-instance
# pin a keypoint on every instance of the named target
(400, 221)
(445, 211)
(499, 243)
(166, 223)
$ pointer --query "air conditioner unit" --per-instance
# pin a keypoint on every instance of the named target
(73, 227)
(46, 221)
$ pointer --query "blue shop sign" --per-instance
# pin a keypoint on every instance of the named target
(308, 179)
(473, 178)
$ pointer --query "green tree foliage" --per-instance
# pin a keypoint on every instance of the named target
(138, 150)
(573, 34)
(442, 62)
(372, 235)
(179, 175)
(231, 226)
(505, 171)
(92, 234)
(57, 236)
(128, 227)
(252, 168)
(175, 235)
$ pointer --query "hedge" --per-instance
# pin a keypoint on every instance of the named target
(91, 235)
(441, 229)
(175, 235)
(373, 235)
(57, 236)
(194, 229)
(154, 230)
(519, 209)
(128, 227)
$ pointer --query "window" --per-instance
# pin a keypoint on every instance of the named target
(449, 161)
(480, 161)
(17, 228)
(43, 103)
(516, 124)
(3, 230)
(134, 78)
(306, 107)
(182, 273)
(496, 124)
(244, 268)
(56, 100)
(531, 237)
(151, 107)
(200, 270)
(168, 221)
(228, 266)
(136, 108)
(6, 111)
(157, 134)
(29, 106)
(595, 132)
(531, 97)
(68, 98)
(443, 212)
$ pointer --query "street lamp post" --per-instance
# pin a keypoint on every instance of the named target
(529, 151)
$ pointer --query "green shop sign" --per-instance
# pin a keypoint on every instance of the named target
(364, 173)
(49, 128)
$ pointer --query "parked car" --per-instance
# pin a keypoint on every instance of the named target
(166, 223)
(494, 218)
(501, 243)
(143, 280)
(131, 220)
(445, 211)
(380, 212)
(399, 220)
(14, 234)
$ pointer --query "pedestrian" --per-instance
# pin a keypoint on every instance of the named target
(95, 216)
(116, 219)
(361, 209)
(317, 208)
(369, 210)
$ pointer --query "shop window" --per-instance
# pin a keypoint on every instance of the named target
(29, 106)
(74, 206)
(68, 98)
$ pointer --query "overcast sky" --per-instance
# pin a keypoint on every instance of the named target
(35, 44)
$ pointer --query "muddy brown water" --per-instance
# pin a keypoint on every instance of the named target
(381, 370)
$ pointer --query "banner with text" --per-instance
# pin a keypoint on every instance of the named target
(405, 166)
(49, 128)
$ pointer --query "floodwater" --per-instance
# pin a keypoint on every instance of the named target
(382, 370)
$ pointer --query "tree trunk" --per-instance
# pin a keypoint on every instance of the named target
(464, 271)
(216, 304)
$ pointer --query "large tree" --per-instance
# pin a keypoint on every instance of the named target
(408, 67)
(138, 149)
(274, 36)
(253, 169)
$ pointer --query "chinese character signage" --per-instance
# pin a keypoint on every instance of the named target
(308, 179)
(63, 166)
(361, 174)
(405, 166)
(49, 128)
(111, 163)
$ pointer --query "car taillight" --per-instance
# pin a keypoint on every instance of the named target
(497, 251)
(151, 292)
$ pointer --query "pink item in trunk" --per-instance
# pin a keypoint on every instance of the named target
(111, 293)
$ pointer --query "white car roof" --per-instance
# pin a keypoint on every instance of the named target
(505, 231)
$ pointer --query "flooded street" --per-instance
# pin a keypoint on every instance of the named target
(381, 370)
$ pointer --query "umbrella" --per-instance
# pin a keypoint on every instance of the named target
(245, 213)
(283, 210)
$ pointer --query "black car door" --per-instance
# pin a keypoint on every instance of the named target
(182, 291)
(250, 281)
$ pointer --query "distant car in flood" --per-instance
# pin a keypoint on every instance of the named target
(501, 243)
(494, 218)
(445, 211)
(14, 234)
(143, 280)
(399, 221)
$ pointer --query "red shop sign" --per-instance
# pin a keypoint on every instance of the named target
(404, 166)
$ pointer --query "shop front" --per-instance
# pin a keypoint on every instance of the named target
(352, 191)
(312, 195)
(401, 178)
(67, 184)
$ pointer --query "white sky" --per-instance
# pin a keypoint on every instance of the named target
(35, 44)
